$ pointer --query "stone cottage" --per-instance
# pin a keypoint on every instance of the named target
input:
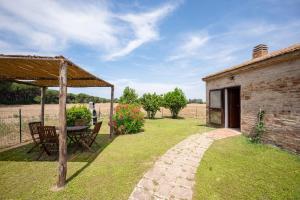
(269, 82)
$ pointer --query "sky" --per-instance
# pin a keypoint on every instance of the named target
(151, 46)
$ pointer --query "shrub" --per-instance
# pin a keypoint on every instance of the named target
(175, 101)
(129, 96)
(259, 128)
(151, 104)
(128, 119)
(78, 113)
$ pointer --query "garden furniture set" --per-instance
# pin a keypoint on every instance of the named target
(46, 137)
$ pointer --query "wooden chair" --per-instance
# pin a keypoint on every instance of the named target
(34, 132)
(87, 139)
(49, 139)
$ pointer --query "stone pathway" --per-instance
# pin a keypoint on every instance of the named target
(172, 176)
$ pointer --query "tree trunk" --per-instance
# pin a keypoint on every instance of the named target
(62, 161)
(148, 114)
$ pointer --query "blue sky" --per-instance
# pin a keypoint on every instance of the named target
(152, 46)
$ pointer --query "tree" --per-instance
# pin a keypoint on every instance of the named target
(52, 96)
(200, 101)
(151, 104)
(16, 93)
(82, 98)
(71, 98)
(129, 96)
(175, 101)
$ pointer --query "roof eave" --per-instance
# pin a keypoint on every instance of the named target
(294, 53)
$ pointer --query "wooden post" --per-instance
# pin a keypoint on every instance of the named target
(111, 111)
(20, 124)
(62, 160)
(43, 94)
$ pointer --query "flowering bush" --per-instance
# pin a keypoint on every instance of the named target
(128, 119)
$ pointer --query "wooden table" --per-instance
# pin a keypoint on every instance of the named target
(73, 133)
(74, 129)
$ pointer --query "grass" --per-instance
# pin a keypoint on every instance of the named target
(110, 173)
(234, 168)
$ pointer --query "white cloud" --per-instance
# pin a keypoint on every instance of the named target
(50, 26)
(227, 46)
(191, 89)
(47, 25)
(142, 87)
(189, 46)
(144, 28)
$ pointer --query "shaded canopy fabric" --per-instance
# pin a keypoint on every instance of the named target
(44, 71)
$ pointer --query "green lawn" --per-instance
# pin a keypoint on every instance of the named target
(110, 173)
(233, 168)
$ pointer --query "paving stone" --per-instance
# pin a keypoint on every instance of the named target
(141, 193)
(173, 175)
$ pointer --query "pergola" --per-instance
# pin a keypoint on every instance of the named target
(52, 72)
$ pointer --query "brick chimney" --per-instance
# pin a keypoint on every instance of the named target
(259, 50)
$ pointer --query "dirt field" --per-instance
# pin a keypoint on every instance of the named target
(28, 111)
(10, 120)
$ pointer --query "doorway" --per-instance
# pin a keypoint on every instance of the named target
(234, 107)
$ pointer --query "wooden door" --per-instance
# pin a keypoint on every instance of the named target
(216, 107)
(234, 107)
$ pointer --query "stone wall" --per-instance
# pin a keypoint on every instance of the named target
(276, 90)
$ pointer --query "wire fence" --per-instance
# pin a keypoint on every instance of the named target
(14, 120)
(14, 126)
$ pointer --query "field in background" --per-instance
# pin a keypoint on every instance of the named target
(10, 119)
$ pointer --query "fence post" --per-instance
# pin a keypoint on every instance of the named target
(196, 112)
(20, 124)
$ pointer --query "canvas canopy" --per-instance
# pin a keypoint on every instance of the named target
(52, 72)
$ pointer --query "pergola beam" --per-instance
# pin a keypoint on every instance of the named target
(17, 81)
(13, 78)
(54, 84)
(22, 57)
(62, 161)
